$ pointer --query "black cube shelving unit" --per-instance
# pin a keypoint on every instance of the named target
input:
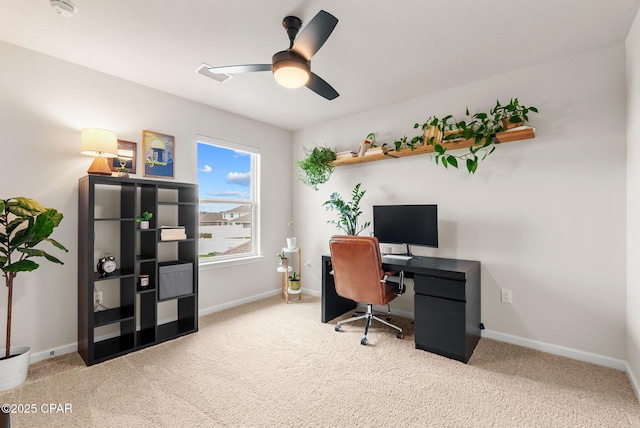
(131, 318)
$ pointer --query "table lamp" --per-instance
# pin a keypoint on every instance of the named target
(102, 144)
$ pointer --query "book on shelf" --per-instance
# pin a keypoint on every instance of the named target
(172, 233)
(376, 150)
(173, 236)
(345, 154)
(520, 128)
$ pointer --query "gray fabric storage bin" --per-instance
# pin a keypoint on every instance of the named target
(176, 279)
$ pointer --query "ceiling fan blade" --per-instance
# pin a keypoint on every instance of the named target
(315, 34)
(247, 68)
(320, 87)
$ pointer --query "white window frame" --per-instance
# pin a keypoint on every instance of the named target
(254, 200)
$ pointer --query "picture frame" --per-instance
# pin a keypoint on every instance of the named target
(158, 151)
(127, 150)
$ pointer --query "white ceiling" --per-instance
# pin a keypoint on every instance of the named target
(380, 53)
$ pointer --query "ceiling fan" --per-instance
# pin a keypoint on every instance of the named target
(292, 67)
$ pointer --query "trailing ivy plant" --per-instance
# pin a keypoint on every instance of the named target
(513, 112)
(481, 127)
(317, 166)
(348, 212)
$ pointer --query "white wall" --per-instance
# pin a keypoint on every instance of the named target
(546, 217)
(45, 103)
(633, 198)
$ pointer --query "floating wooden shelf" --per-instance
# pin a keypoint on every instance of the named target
(501, 137)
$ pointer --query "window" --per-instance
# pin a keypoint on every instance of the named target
(228, 186)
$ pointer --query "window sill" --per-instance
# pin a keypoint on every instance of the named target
(230, 262)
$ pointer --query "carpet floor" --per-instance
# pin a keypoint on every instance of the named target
(271, 364)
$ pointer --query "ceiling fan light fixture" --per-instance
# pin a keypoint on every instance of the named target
(290, 69)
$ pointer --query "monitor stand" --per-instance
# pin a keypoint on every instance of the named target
(408, 250)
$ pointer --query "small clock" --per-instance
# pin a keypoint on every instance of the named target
(106, 265)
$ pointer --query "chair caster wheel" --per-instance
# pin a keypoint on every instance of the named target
(363, 341)
(338, 327)
(400, 335)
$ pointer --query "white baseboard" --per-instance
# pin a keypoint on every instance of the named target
(588, 357)
(57, 351)
(234, 303)
(634, 381)
(312, 292)
(563, 351)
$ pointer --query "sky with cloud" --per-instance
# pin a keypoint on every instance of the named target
(223, 173)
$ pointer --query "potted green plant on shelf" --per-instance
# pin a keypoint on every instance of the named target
(348, 212)
(24, 224)
(294, 281)
(282, 257)
(317, 166)
(512, 114)
(144, 219)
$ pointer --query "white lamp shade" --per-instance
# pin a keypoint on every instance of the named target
(99, 142)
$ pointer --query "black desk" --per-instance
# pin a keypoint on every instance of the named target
(446, 302)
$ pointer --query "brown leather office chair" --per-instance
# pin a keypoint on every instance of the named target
(358, 275)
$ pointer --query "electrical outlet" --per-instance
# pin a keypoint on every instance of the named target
(506, 295)
(98, 297)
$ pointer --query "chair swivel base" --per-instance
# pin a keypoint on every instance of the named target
(369, 317)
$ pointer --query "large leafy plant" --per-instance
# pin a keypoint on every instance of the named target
(348, 212)
(24, 224)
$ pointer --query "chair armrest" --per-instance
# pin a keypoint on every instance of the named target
(391, 277)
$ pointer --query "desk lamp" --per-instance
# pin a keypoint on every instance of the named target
(102, 144)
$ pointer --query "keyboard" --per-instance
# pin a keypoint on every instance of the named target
(397, 256)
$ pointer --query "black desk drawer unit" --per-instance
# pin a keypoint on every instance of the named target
(439, 287)
(447, 315)
(446, 302)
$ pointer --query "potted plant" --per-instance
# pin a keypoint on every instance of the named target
(294, 281)
(317, 166)
(348, 212)
(512, 114)
(144, 219)
(432, 130)
(291, 240)
(282, 258)
(24, 224)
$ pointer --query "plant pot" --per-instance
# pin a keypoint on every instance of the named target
(144, 225)
(432, 132)
(291, 243)
(294, 285)
(454, 133)
(13, 371)
(508, 125)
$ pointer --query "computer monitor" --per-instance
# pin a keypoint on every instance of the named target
(406, 224)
